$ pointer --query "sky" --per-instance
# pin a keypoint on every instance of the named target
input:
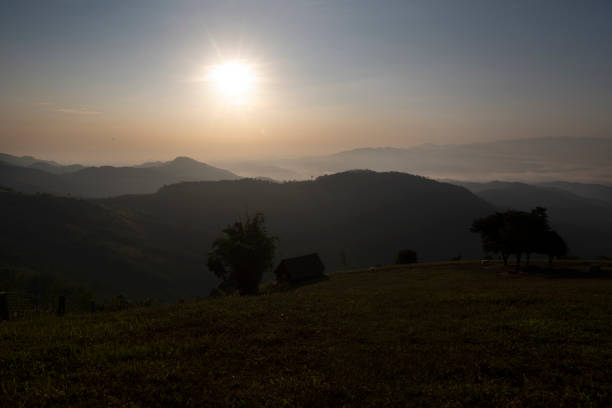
(129, 81)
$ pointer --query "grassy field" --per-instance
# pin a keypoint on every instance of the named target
(443, 335)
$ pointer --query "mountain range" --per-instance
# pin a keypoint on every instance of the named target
(30, 175)
(145, 230)
(583, 160)
(34, 163)
(535, 161)
(156, 244)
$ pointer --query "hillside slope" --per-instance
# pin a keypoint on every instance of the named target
(442, 335)
(109, 250)
(593, 191)
(353, 219)
(156, 244)
(31, 180)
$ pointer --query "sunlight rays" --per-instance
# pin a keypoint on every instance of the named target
(234, 81)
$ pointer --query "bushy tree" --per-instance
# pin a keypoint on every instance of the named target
(553, 246)
(242, 254)
(490, 228)
(518, 233)
(406, 256)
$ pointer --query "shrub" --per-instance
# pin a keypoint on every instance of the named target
(406, 256)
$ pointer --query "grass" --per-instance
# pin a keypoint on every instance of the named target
(444, 335)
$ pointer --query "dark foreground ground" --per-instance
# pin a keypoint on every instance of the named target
(443, 335)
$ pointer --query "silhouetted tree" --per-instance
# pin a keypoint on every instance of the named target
(490, 228)
(537, 231)
(518, 232)
(242, 254)
(553, 245)
(406, 256)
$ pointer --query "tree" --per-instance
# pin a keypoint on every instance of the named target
(553, 245)
(243, 253)
(538, 231)
(406, 256)
(489, 229)
(518, 232)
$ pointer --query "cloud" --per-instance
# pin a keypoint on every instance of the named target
(51, 106)
(77, 111)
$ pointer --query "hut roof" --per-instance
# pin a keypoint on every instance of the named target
(301, 267)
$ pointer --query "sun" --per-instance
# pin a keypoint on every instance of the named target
(234, 81)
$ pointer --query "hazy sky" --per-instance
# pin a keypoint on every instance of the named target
(118, 81)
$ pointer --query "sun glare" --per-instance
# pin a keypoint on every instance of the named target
(234, 81)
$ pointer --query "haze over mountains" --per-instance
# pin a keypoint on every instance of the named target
(544, 160)
(145, 230)
(28, 176)
(585, 160)
(34, 163)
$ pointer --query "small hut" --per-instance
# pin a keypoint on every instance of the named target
(301, 269)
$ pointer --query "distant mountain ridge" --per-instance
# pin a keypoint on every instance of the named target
(34, 163)
(528, 160)
(593, 191)
(32, 176)
(584, 160)
(536, 160)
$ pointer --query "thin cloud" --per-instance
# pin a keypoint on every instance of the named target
(51, 106)
(77, 111)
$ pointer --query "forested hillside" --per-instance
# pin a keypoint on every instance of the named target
(156, 244)
(353, 219)
(109, 250)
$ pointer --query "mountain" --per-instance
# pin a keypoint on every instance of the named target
(156, 244)
(151, 164)
(187, 169)
(107, 181)
(31, 180)
(110, 250)
(23, 161)
(253, 169)
(56, 168)
(361, 217)
(536, 160)
(45, 165)
(592, 191)
(584, 222)
(528, 160)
